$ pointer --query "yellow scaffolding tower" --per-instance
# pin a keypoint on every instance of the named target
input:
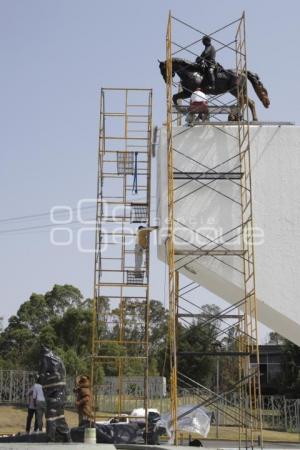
(249, 338)
(121, 293)
(241, 404)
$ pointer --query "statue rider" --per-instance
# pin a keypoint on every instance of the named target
(208, 56)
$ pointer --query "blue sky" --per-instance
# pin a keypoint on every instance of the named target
(56, 55)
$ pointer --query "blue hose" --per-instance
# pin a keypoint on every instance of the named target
(135, 184)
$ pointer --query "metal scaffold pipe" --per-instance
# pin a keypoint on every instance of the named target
(240, 322)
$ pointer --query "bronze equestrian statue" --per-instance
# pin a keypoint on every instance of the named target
(195, 75)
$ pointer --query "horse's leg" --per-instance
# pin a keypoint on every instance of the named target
(251, 104)
(234, 116)
(181, 95)
(243, 100)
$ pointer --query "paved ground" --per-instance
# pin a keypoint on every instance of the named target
(47, 446)
(213, 445)
(234, 445)
(70, 446)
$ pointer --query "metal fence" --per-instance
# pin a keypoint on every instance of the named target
(15, 384)
(278, 412)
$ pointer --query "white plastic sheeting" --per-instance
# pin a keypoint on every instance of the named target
(140, 413)
(206, 210)
(190, 418)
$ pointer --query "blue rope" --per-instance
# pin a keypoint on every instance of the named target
(135, 183)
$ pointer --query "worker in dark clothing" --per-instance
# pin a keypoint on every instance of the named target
(208, 58)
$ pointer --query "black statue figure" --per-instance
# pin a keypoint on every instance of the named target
(53, 379)
(208, 60)
(194, 75)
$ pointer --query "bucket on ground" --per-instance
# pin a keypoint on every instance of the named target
(90, 436)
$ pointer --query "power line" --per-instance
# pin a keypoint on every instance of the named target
(23, 230)
(26, 231)
(47, 214)
(43, 226)
(36, 216)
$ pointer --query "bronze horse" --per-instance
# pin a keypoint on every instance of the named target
(194, 75)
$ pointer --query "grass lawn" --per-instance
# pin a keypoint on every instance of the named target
(232, 433)
(13, 419)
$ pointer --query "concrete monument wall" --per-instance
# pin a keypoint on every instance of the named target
(207, 214)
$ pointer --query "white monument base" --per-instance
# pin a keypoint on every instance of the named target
(208, 210)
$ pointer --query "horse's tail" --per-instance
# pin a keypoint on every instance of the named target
(259, 88)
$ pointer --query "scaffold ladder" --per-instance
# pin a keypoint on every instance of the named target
(121, 292)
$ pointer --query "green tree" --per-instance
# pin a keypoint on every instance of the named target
(73, 330)
(58, 319)
(289, 381)
(60, 298)
(15, 341)
(35, 313)
(200, 337)
(228, 365)
(133, 313)
(75, 363)
(275, 338)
